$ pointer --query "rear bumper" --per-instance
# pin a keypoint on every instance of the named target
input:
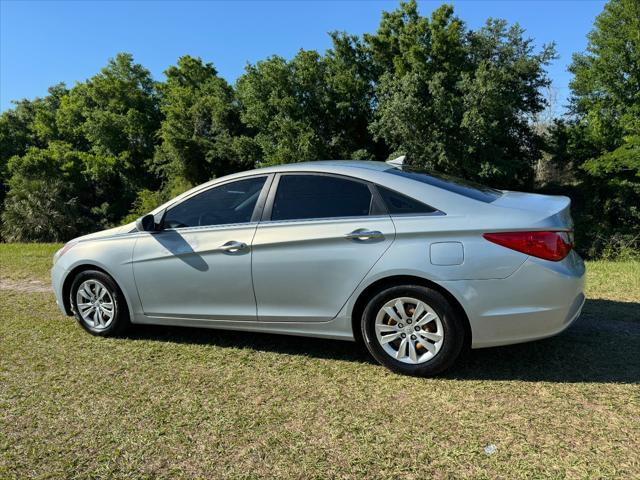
(539, 300)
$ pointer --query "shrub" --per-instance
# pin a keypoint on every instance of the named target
(40, 211)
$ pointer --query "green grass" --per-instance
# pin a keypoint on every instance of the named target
(26, 261)
(167, 403)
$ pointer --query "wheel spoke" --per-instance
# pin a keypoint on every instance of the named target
(95, 304)
(428, 345)
(431, 336)
(412, 351)
(400, 328)
(389, 338)
(400, 309)
(392, 313)
(383, 328)
(83, 292)
(419, 310)
(428, 317)
(402, 349)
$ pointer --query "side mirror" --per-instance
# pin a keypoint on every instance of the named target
(146, 223)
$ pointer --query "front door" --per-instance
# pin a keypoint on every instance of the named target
(199, 265)
(320, 239)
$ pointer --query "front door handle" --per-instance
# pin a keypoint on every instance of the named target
(364, 235)
(233, 247)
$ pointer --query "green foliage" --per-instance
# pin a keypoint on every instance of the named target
(456, 100)
(453, 99)
(602, 139)
(202, 136)
(148, 200)
(40, 210)
(29, 124)
(48, 194)
(114, 117)
(312, 107)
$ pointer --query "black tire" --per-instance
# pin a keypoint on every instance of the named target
(120, 321)
(453, 342)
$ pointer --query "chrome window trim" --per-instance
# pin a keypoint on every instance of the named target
(223, 226)
(324, 219)
(437, 213)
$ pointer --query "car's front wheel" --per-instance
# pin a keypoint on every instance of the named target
(413, 330)
(98, 304)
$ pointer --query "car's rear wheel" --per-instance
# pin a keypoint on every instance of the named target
(98, 304)
(413, 330)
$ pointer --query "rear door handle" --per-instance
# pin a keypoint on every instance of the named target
(233, 247)
(363, 235)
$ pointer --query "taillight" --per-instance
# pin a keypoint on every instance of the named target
(552, 246)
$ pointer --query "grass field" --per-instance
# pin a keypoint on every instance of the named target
(167, 403)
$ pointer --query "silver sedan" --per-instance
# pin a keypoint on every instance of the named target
(417, 266)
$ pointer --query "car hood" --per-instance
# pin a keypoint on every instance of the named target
(110, 232)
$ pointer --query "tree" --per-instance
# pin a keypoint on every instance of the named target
(313, 106)
(30, 124)
(605, 127)
(457, 100)
(79, 156)
(201, 133)
(114, 116)
(48, 194)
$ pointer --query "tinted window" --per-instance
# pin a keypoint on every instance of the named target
(452, 184)
(229, 203)
(319, 196)
(401, 204)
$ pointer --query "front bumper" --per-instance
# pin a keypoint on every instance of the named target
(58, 274)
(539, 300)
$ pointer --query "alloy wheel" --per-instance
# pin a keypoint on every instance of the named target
(409, 330)
(95, 304)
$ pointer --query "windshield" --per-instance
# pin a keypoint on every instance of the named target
(460, 186)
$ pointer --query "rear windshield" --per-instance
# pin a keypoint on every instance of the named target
(466, 188)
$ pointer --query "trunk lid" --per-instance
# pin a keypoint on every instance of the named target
(544, 211)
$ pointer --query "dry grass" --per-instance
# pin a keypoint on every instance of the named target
(167, 403)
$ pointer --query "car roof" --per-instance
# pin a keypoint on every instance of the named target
(372, 171)
(324, 165)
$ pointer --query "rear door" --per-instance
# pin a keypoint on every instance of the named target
(319, 237)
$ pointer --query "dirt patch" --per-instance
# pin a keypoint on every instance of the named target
(28, 286)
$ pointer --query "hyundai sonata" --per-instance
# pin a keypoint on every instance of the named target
(416, 265)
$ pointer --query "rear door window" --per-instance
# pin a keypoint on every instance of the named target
(301, 197)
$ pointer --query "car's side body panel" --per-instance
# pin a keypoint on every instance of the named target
(185, 273)
(111, 253)
(307, 277)
(415, 236)
(306, 270)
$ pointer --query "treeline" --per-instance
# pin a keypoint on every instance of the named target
(452, 99)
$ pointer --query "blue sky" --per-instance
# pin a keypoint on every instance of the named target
(42, 43)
